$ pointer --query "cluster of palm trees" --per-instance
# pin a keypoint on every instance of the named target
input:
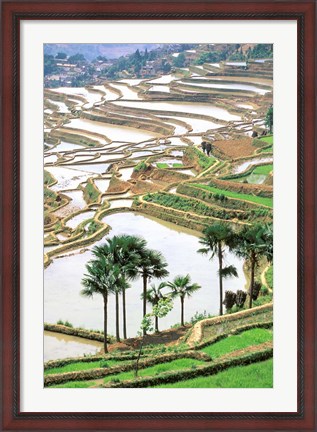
(251, 243)
(124, 258)
(115, 263)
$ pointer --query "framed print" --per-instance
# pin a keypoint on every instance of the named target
(157, 165)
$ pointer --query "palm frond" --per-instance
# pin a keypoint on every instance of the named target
(229, 271)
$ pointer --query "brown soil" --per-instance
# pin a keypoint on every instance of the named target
(235, 148)
(141, 187)
(166, 337)
(116, 185)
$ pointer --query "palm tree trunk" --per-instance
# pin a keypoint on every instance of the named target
(220, 278)
(144, 299)
(182, 311)
(105, 322)
(156, 324)
(124, 315)
(252, 279)
(117, 318)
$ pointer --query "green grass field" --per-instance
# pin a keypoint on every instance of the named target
(263, 169)
(256, 375)
(237, 342)
(162, 165)
(268, 202)
(157, 369)
(75, 384)
(268, 139)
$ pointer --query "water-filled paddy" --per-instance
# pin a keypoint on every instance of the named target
(127, 92)
(76, 220)
(120, 203)
(178, 245)
(58, 346)
(239, 168)
(114, 132)
(102, 184)
(165, 79)
(77, 198)
(230, 86)
(126, 173)
(92, 168)
(65, 146)
(67, 178)
(185, 107)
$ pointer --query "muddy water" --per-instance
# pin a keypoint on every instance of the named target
(62, 279)
(58, 346)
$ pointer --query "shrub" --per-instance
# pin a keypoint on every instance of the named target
(141, 166)
(256, 290)
(241, 297)
(230, 299)
(199, 317)
(264, 291)
(93, 227)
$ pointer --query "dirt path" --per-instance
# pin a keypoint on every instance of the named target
(263, 279)
(166, 337)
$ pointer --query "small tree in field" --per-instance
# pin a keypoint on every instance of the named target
(160, 310)
(269, 118)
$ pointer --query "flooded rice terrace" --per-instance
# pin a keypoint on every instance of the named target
(179, 247)
(96, 138)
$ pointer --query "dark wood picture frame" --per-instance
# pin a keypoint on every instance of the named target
(12, 14)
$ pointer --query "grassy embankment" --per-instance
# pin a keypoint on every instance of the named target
(216, 350)
(221, 348)
(269, 140)
(256, 375)
(268, 202)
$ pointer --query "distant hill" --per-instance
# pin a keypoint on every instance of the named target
(91, 51)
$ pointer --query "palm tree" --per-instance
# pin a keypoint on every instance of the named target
(252, 243)
(153, 296)
(102, 278)
(151, 265)
(182, 287)
(123, 250)
(216, 238)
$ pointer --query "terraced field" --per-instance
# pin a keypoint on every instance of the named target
(217, 359)
(128, 155)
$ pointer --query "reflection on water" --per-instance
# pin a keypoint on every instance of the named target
(59, 346)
